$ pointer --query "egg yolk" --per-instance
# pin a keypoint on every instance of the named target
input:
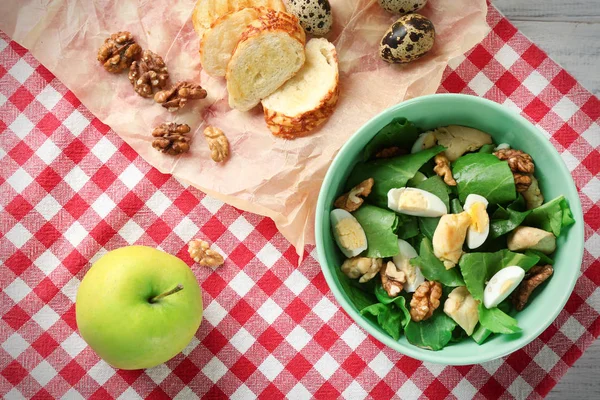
(412, 201)
(479, 217)
(349, 234)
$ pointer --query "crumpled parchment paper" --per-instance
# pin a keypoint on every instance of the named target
(265, 175)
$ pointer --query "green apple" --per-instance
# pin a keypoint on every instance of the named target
(137, 307)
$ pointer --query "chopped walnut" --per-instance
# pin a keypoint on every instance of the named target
(392, 279)
(534, 277)
(176, 97)
(352, 200)
(201, 252)
(217, 143)
(363, 267)
(442, 169)
(425, 300)
(171, 138)
(118, 52)
(390, 152)
(147, 74)
(521, 165)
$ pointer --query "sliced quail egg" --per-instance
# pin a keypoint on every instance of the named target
(501, 285)
(414, 276)
(425, 141)
(347, 232)
(416, 202)
(479, 229)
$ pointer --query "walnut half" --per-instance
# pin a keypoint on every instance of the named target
(217, 143)
(442, 169)
(118, 52)
(147, 74)
(425, 300)
(352, 200)
(177, 97)
(521, 165)
(392, 279)
(171, 138)
(201, 252)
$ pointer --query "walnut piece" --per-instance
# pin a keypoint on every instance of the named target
(392, 279)
(201, 252)
(442, 169)
(363, 267)
(534, 278)
(217, 143)
(147, 74)
(177, 97)
(118, 52)
(521, 165)
(390, 152)
(171, 138)
(425, 300)
(352, 200)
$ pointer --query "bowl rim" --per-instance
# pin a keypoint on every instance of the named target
(411, 350)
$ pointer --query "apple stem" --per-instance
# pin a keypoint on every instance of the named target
(167, 293)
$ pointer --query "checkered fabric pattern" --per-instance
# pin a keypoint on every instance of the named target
(71, 189)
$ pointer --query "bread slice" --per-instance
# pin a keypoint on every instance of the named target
(270, 51)
(207, 11)
(309, 98)
(220, 40)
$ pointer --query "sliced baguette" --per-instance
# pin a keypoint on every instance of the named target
(309, 98)
(270, 51)
(207, 11)
(220, 40)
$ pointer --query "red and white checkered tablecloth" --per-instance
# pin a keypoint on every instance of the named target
(71, 189)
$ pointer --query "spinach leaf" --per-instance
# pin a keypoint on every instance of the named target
(389, 173)
(553, 216)
(544, 259)
(434, 185)
(408, 226)
(428, 226)
(455, 206)
(433, 269)
(433, 333)
(497, 321)
(505, 220)
(379, 225)
(399, 302)
(387, 317)
(478, 268)
(480, 334)
(486, 175)
(359, 297)
(487, 148)
(398, 133)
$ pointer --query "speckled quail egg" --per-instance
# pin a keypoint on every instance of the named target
(502, 284)
(408, 39)
(416, 202)
(348, 233)
(314, 15)
(402, 6)
(479, 229)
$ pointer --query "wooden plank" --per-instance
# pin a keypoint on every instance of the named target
(581, 381)
(575, 46)
(551, 10)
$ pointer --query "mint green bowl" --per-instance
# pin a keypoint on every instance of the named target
(505, 126)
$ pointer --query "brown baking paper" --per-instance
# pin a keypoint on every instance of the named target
(265, 175)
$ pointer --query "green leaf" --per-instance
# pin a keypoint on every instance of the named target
(399, 302)
(408, 226)
(553, 216)
(359, 297)
(497, 321)
(486, 175)
(487, 148)
(433, 333)
(398, 133)
(428, 226)
(433, 269)
(481, 334)
(506, 220)
(387, 317)
(544, 259)
(435, 185)
(379, 225)
(455, 206)
(478, 268)
(391, 173)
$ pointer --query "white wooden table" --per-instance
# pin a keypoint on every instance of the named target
(569, 31)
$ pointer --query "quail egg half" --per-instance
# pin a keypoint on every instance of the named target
(314, 15)
(402, 6)
(408, 39)
(416, 202)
